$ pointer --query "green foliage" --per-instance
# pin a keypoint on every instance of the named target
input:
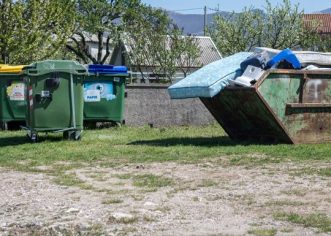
(239, 32)
(112, 201)
(70, 180)
(263, 232)
(323, 43)
(188, 54)
(154, 41)
(147, 37)
(33, 30)
(207, 183)
(320, 221)
(102, 19)
(152, 38)
(313, 171)
(279, 27)
(151, 181)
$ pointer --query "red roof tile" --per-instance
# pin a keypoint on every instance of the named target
(322, 21)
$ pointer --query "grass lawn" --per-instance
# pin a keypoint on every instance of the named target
(291, 183)
(123, 145)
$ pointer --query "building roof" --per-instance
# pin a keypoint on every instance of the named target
(321, 21)
(209, 52)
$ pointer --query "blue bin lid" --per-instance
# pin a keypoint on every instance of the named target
(107, 69)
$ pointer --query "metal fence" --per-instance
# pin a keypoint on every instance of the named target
(149, 77)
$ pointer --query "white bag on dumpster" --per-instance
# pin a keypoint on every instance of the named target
(249, 77)
(210, 79)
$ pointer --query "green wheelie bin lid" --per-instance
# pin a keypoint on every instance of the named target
(50, 66)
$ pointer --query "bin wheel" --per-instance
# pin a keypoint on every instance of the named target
(4, 125)
(118, 124)
(72, 135)
(77, 135)
(33, 137)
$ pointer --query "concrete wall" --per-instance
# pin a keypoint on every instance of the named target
(151, 105)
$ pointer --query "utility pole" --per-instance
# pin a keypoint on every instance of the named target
(205, 21)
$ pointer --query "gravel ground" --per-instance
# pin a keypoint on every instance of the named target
(202, 199)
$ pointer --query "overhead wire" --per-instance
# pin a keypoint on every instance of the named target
(193, 9)
(189, 9)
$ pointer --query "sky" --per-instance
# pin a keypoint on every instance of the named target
(185, 6)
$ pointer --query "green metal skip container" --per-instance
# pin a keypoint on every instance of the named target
(288, 106)
(54, 98)
(104, 92)
(12, 100)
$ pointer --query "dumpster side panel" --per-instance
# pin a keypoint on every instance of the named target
(110, 106)
(243, 115)
(302, 103)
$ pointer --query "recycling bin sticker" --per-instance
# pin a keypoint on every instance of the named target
(94, 92)
(15, 91)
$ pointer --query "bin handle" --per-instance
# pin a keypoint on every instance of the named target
(80, 72)
(34, 72)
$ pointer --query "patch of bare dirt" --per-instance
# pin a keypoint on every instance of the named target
(205, 199)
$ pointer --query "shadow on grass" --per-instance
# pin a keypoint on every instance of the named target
(197, 141)
(20, 140)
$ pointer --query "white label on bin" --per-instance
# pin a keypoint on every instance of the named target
(92, 96)
(45, 93)
(106, 90)
(16, 91)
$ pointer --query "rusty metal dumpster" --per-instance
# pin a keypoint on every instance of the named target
(290, 106)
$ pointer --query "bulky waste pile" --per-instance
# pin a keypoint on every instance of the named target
(267, 94)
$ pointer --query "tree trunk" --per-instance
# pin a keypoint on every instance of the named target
(100, 47)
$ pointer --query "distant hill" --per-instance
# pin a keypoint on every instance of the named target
(192, 23)
(326, 11)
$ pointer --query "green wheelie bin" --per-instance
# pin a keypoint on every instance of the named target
(12, 100)
(54, 98)
(104, 91)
